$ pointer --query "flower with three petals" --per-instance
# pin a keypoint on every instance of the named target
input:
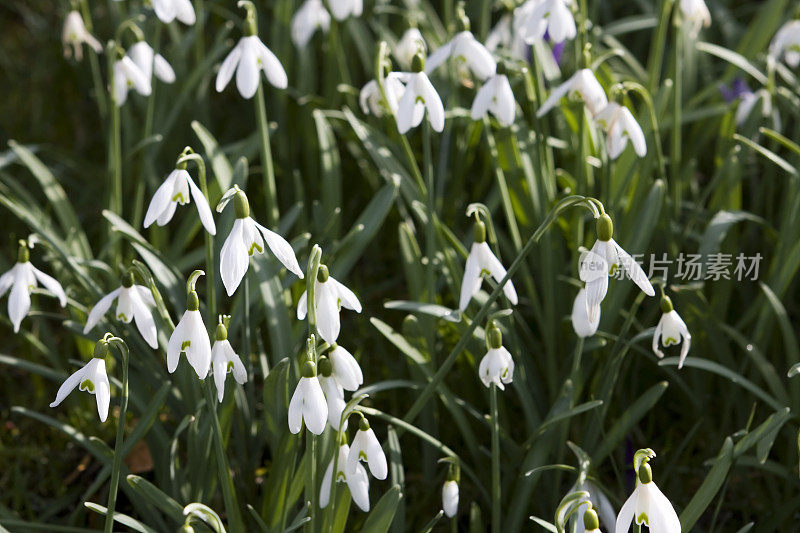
(466, 51)
(620, 126)
(671, 329)
(329, 298)
(21, 279)
(551, 17)
(93, 379)
(497, 366)
(357, 481)
(127, 75)
(497, 98)
(310, 17)
(648, 506)
(341, 9)
(308, 403)
(151, 63)
(583, 83)
(75, 35)
(367, 448)
(225, 360)
(178, 189)
(247, 59)
(418, 97)
(481, 262)
(134, 302)
(247, 238)
(169, 10)
(372, 101)
(345, 368)
(190, 337)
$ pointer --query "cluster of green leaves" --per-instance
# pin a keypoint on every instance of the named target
(723, 427)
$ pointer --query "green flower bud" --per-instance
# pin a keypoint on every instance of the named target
(241, 205)
(645, 474)
(100, 349)
(364, 424)
(605, 228)
(222, 332)
(192, 301)
(666, 304)
(325, 367)
(479, 231)
(323, 274)
(309, 369)
(590, 520)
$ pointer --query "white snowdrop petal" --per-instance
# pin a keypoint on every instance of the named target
(162, 69)
(161, 199)
(271, 66)
(50, 283)
(247, 72)
(144, 320)
(184, 11)
(358, 483)
(471, 282)
(328, 322)
(102, 392)
(100, 309)
(228, 67)
(175, 344)
(282, 251)
(325, 488)
(203, 209)
(19, 301)
(346, 297)
(233, 259)
(438, 57)
(69, 384)
(199, 351)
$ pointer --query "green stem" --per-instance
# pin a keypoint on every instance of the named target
(675, 155)
(495, 460)
(430, 239)
(226, 481)
(270, 194)
(114, 149)
(659, 42)
(123, 410)
(97, 79)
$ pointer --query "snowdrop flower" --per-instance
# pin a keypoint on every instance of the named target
(21, 279)
(552, 17)
(367, 448)
(345, 369)
(334, 393)
(93, 379)
(247, 238)
(786, 43)
(648, 505)
(598, 504)
(500, 36)
(169, 10)
(497, 366)
(465, 50)
(409, 45)
(134, 302)
(176, 189)
(248, 58)
(311, 16)
(497, 98)
(604, 259)
(371, 100)
(224, 359)
(671, 329)
(357, 482)
(583, 83)
(75, 34)
(583, 326)
(419, 96)
(308, 403)
(450, 498)
(342, 9)
(190, 336)
(619, 125)
(127, 75)
(696, 15)
(149, 62)
(329, 297)
(482, 262)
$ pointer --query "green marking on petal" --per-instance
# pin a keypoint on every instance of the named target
(230, 366)
(643, 519)
(255, 246)
(419, 100)
(670, 341)
(185, 344)
(485, 273)
(362, 455)
(121, 316)
(87, 385)
(180, 199)
(613, 269)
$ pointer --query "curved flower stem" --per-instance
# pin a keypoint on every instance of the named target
(314, 260)
(495, 460)
(123, 410)
(235, 522)
(270, 194)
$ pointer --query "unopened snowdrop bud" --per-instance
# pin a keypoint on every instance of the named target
(591, 522)
(450, 492)
(648, 505)
(671, 329)
(190, 335)
(93, 379)
(22, 279)
(367, 448)
(75, 34)
(481, 262)
(308, 403)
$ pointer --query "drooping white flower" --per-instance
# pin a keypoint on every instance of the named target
(552, 17)
(497, 98)
(367, 448)
(465, 50)
(409, 45)
(169, 10)
(696, 15)
(334, 397)
(248, 58)
(371, 100)
(619, 125)
(311, 16)
(224, 360)
(247, 237)
(481, 262)
(450, 498)
(583, 326)
(190, 337)
(341, 9)
(21, 279)
(329, 298)
(134, 302)
(357, 482)
(648, 505)
(600, 506)
(497, 367)
(308, 403)
(91, 378)
(786, 44)
(346, 370)
(128, 75)
(671, 329)
(419, 96)
(178, 188)
(149, 63)
(75, 35)
(583, 83)
(604, 259)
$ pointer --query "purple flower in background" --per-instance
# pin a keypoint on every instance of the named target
(558, 48)
(737, 89)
